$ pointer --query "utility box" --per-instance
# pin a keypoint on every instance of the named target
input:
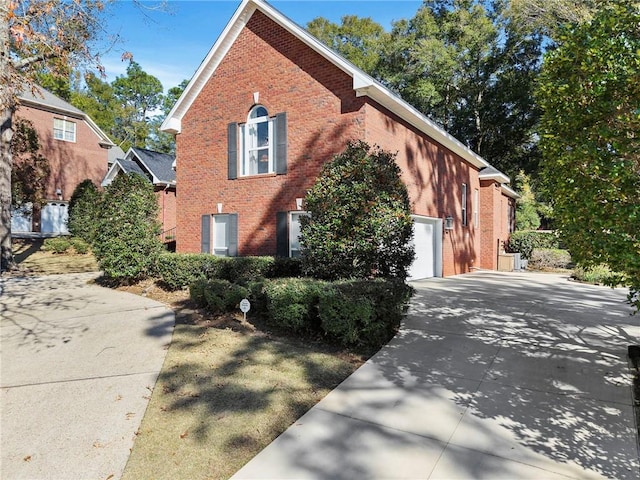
(506, 262)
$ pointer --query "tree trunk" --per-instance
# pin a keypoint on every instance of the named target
(6, 255)
(7, 107)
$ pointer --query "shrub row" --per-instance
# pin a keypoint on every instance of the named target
(65, 245)
(179, 270)
(356, 313)
(525, 241)
(596, 274)
(549, 258)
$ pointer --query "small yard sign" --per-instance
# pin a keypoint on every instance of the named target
(245, 306)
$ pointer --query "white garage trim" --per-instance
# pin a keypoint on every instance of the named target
(427, 240)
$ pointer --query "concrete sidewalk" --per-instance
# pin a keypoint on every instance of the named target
(492, 375)
(78, 364)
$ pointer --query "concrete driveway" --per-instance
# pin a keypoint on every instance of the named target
(493, 375)
(78, 364)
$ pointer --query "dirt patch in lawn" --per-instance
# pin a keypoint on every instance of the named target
(228, 387)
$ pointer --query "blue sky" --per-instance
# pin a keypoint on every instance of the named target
(171, 45)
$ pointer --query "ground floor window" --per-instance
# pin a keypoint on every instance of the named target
(220, 234)
(288, 233)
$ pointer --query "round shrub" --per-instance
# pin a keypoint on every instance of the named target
(127, 242)
(84, 211)
(360, 218)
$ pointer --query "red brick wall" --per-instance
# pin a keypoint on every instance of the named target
(323, 113)
(70, 162)
(434, 176)
(492, 232)
(166, 208)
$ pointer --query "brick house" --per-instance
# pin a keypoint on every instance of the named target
(75, 148)
(158, 168)
(251, 138)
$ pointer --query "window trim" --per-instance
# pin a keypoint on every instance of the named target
(464, 205)
(246, 148)
(299, 213)
(476, 208)
(65, 122)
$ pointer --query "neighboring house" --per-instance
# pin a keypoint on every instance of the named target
(270, 104)
(158, 168)
(75, 148)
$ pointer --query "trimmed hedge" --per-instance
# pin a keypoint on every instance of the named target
(356, 313)
(525, 241)
(363, 313)
(178, 270)
(549, 258)
(353, 313)
(292, 302)
(218, 296)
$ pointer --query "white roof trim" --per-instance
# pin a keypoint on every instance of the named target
(497, 176)
(363, 84)
(508, 192)
(111, 173)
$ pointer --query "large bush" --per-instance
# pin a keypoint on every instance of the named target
(84, 211)
(525, 241)
(127, 242)
(359, 224)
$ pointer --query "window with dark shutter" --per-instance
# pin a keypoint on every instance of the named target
(232, 150)
(282, 234)
(281, 143)
(205, 242)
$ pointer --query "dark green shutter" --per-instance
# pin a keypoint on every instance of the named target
(233, 235)
(281, 143)
(282, 234)
(232, 150)
(205, 232)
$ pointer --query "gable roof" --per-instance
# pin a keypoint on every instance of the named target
(144, 162)
(159, 165)
(41, 98)
(363, 84)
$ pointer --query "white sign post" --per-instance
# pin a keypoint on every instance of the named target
(245, 306)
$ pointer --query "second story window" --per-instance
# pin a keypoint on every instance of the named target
(64, 130)
(256, 138)
(258, 146)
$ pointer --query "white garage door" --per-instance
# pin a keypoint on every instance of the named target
(427, 235)
(21, 218)
(53, 218)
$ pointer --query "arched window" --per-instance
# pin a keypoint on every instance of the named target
(257, 142)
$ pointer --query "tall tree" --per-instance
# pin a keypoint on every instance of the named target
(547, 16)
(158, 140)
(590, 138)
(360, 40)
(35, 36)
(463, 63)
(97, 99)
(140, 94)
